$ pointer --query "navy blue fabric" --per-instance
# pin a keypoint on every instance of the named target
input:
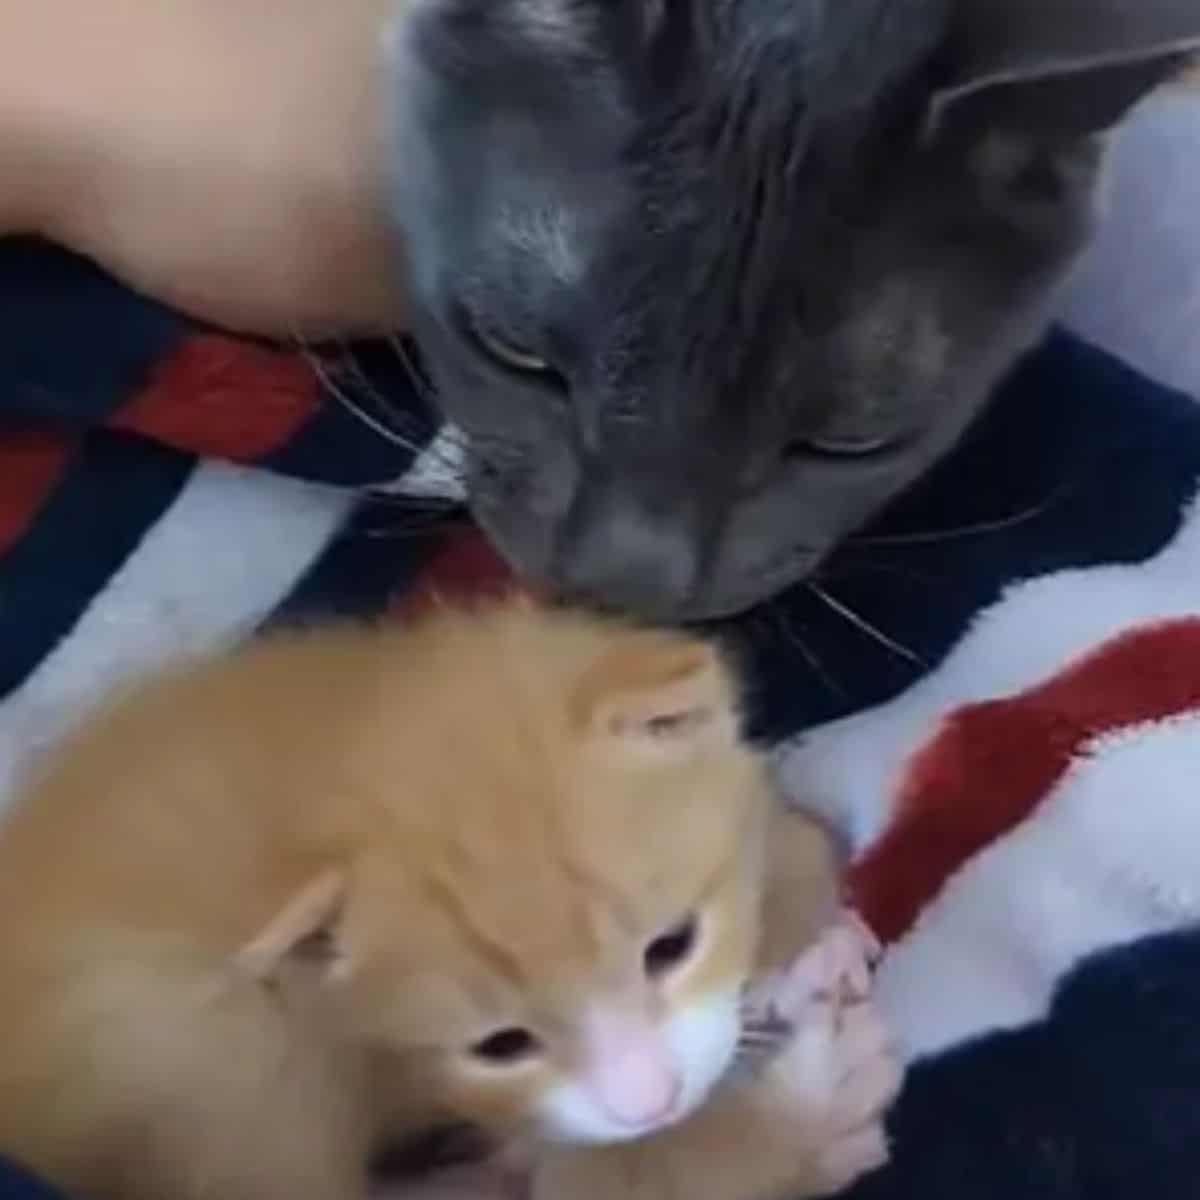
(1079, 461)
(377, 555)
(117, 489)
(75, 344)
(338, 447)
(17, 1184)
(1101, 1101)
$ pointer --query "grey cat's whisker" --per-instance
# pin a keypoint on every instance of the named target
(976, 529)
(433, 505)
(339, 394)
(861, 623)
(844, 570)
(792, 637)
(401, 532)
(389, 413)
(415, 374)
(387, 408)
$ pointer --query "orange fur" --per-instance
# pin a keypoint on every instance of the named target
(254, 916)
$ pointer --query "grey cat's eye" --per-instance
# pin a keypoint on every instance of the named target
(847, 447)
(515, 358)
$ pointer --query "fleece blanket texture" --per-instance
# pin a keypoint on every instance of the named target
(993, 693)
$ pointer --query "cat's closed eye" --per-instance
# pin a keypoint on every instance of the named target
(845, 447)
(506, 1047)
(503, 350)
(673, 948)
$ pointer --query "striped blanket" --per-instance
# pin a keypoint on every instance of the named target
(993, 692)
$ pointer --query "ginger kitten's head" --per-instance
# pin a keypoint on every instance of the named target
(553, 904)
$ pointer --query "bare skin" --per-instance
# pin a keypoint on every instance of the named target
(221, 155)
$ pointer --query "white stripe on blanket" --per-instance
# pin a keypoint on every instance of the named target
(844, 769)
(226, 552)
(1108, 857)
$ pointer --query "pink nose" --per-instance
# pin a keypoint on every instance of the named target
(642, 1099)
(633, 1078)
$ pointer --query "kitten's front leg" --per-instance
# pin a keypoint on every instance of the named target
(836, 1075)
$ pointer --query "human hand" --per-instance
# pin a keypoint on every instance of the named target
(223, 156)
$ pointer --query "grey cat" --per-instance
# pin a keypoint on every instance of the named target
(706, 282)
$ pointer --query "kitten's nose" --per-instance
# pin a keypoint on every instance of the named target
(622, 553)
(631, 1076)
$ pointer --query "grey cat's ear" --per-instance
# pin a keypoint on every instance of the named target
(304, 932)
(658, 699)
(1062, 66)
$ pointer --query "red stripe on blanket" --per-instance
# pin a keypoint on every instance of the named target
(990, 765)
(465, 568)
(31, 464)
(221, 398)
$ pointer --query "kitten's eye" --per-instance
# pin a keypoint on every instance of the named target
(506, 1046)
(507, 354)
(844, 447)
(671, 949)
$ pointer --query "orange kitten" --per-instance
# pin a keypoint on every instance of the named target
(266, 914)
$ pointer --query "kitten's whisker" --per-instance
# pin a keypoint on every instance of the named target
(393, 413)
(863, 625)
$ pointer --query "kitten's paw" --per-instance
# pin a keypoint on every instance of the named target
(837, 968)
(837, 1076)
(865, 1076)
(851, 952)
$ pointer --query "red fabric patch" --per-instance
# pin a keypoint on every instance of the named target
(991, 764)
(221, 398)
(31, 464)
(466, 567)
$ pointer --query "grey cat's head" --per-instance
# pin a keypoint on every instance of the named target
(706, 282)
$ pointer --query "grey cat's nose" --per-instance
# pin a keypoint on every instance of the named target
(621, 555)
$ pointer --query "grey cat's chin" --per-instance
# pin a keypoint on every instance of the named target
(710, 602)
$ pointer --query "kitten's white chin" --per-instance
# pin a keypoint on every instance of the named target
(702, 1039)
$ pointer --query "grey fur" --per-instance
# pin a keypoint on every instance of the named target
(730, 227)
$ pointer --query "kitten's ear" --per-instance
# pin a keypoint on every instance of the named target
(661, 698)
(304, 931)
(1061, 66)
